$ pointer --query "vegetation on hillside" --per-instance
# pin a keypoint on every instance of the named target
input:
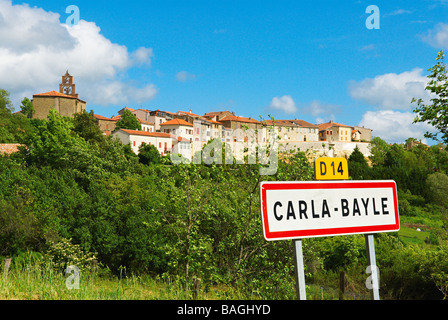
(72, 195)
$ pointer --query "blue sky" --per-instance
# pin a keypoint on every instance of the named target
(310, 60)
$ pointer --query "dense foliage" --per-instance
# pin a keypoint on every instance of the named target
(184, 222)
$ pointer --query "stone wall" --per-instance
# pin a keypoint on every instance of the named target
(322, 148)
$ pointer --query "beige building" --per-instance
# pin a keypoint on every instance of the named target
(106, 125)
(162, 141)
(239, 125)
(365, 134)
(204, 129)
(147, 125)
(158, 117)
(218, 115)
(65, 102)
(335, 132)
(178, 128)
(293, 130)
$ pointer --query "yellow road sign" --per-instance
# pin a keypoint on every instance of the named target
(331, 169)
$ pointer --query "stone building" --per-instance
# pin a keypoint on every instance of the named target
(66, 102)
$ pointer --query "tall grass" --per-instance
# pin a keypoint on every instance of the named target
(30, 277)
(37, 279)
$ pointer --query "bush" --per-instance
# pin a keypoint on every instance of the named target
(63, 254)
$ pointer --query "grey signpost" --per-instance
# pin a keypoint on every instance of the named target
(373, 269)
(300, 270)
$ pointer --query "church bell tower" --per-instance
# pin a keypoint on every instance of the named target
(67, 86)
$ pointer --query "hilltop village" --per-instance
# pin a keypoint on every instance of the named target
(185, 132)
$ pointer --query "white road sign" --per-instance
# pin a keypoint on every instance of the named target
(295, 210)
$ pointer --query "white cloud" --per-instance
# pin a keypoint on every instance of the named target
(368, 47)
(394, 126)
(36, 49)
(184, 76)
(317, 108)
(285, 104)
(438, 37)
(391, 91)
(119, 93)
(142, 56)
(397, 12)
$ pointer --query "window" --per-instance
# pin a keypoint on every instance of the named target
(160, 144)
(166, 145)
(134, 143)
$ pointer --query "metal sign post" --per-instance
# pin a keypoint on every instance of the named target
(373, 281)
(300, 270)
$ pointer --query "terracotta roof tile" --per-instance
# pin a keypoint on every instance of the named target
(9, 148)
(99, 117)
(145, 133)
(239, 119)
(55, 94)
(176, 122)
(324, 126)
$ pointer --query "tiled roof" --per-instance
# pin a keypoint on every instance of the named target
(189, 113)
(144, 121)
(324, 126)
(239, 119)
(55, 94)
(145, 133)
(99, 117)
(214, 114)
(176, 122)
(183, 139)
(9, 148)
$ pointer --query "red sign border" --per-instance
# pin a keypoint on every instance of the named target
(298, 234)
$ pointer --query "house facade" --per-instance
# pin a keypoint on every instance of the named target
(335, 132)
(178, 128)
(106, 125)
(293, 130)
(162, 141)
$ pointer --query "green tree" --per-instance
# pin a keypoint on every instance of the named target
(5, 102)
(378, 150)
(148, 154)
(84, 124)
(6, 136)
(357, 156)
(394, 156)
(51, 141)
(437, 188)
(27, 108)
(358, 167)
(128, 121)
(435, 113)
